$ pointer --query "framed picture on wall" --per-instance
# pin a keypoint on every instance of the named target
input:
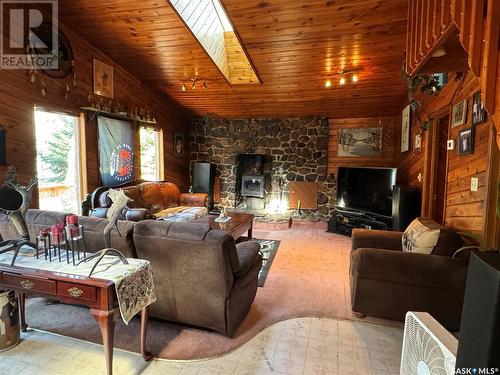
(103, 79)
(405, 129)
(179, 151)
(360, 142)
(459, 113)
(466, 141)
(478, 110)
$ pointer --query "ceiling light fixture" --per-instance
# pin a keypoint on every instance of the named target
(355, 78)
(193, 86)
(342, 81)
(204, 85)
(440, 52)
(328, 84)
(183, 87)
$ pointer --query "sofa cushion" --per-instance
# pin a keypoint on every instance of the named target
(133, 193)
(183, 214)
(425, 236)
(36, 220)
(150, 193)
(170, 194)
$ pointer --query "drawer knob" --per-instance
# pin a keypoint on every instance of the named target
(27, 284)
(75, 292)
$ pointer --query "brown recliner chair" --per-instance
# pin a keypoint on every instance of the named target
(149, 200)
(201, 277)
(387, 282)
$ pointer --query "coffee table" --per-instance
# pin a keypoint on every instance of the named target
(239, 224)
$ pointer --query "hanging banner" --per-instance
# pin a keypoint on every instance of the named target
(116, 151)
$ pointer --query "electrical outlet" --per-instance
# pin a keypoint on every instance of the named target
(450, 144)
(474, 184)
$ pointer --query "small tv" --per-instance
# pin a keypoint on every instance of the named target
(367, 190)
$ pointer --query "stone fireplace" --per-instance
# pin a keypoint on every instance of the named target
(278, 150)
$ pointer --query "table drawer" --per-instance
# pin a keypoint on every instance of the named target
(29, 283)
(83, 292)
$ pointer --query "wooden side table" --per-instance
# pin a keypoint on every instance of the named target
(99, 295)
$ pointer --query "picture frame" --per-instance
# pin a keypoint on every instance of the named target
(418, 142)
(459, 113)
(405, 129)
(478, 110)
(465, 141)
(103, 79)
(360, 142)
(179, 145)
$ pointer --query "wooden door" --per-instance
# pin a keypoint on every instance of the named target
(440, 171)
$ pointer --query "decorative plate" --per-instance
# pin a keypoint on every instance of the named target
(222, 219)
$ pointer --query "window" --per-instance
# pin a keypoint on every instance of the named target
(151, 154)
(59, 161)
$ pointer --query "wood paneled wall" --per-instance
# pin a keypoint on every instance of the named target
(18, 97)
(385, 160)
(464, 210)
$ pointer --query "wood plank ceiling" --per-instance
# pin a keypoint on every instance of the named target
(294, 45)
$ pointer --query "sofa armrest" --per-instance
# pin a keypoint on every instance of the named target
(138, 214)
(100, 212)
(400, 267)
(193, 199)
(248, 254)
(376, 239)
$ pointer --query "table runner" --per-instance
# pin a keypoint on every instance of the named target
(133, 282)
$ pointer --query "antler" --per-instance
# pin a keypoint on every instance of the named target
(32, 184)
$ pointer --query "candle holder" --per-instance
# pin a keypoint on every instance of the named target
(58, 242)
(43, 242)
(75, 238)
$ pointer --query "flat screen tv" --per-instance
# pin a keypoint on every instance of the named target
(366, 189)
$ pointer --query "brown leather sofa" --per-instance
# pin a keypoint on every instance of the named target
(201, 277)
(387, 282)
(149, 200)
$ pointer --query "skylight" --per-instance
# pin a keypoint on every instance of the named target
(224, 19)
(209, 23)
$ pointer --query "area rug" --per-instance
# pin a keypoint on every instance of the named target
(268, 249)
(309, 278)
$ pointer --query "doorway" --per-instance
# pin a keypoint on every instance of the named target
(58, 146)
(440, 169)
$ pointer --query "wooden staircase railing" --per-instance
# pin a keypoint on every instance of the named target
(437, 24)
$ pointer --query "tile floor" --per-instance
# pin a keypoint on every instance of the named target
(296, 346)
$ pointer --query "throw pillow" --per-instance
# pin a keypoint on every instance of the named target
(419, 238)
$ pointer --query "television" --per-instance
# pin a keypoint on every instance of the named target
(368, 190)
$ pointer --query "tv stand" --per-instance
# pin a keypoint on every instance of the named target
(343, 222)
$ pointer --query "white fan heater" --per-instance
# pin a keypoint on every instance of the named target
(428, 348)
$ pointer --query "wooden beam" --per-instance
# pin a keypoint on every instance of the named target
(490, 56)
(476, 36)
(491, 226)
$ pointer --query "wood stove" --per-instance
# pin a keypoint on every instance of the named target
(252, 185)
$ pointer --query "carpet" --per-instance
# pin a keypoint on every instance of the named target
(309, 278)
